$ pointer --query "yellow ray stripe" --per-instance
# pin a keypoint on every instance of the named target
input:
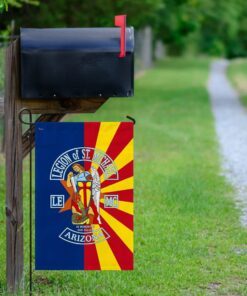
(124, 206)
(106, 257)
(106, 133)
(118, 186)
(124, 157)
(125, 234)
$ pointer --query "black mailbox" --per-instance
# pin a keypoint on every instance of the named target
(76, 63)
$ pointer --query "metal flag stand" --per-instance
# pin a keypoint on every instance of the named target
(132, 119)
(30, 135)
(26, 111)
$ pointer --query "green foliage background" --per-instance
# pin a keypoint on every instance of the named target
(217, 28)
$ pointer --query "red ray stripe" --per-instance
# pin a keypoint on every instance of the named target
(121, 216)
(122, 137)
(95, 212)
(91, 130)
(123, 255)
(91, 260)
(125, 172)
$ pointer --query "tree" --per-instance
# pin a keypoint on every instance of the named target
(177, 19)
(7, 28)
(219, 26)
(74, 13)
(209, 26)
(213, 26)
(4, 4)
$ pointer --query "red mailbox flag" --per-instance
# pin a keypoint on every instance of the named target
(120, 21)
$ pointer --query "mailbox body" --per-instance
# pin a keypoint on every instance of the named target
(76, 63)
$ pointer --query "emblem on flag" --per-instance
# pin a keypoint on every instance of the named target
(84, 196)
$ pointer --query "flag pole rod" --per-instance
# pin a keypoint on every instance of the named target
(30, 123)
(132, 119)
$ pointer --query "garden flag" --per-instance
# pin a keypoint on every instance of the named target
(84, 196)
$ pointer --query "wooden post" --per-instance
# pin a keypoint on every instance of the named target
(17, 147)
(13, 137)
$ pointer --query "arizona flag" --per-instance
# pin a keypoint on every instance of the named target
(84, 196)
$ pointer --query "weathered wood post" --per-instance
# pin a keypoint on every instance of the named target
(17, 148)
(14, 205)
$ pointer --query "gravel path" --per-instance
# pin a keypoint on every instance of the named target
(231, 127)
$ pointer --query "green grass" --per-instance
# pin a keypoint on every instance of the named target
(237, 72)
(187, 230)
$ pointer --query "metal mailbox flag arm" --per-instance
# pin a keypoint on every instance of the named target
(120, 21)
